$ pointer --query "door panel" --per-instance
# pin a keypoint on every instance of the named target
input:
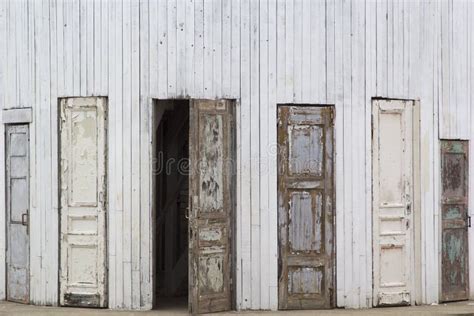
(212, 188)
(305, 212)
(18, 197)
(392, 202)
(455, 220)
(83, 202)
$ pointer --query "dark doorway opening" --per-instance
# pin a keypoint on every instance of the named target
(171, 202)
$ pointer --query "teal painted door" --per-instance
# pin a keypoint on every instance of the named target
(455, 220)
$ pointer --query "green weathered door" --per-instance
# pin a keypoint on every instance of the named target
(455, 220)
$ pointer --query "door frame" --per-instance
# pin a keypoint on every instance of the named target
(416, 251)
(151, 152)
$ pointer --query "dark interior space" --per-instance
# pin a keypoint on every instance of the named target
(171, 191)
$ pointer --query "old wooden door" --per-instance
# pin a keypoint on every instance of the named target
(392, 161)
(455, 220)
(83, 202)
(18, 197)
(212, 185)
(306, 207)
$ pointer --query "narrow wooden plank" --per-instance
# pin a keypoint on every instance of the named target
(382, 49)
(263, 58)
(235, 49)
(272, 264)
(307, 40)
(370, 90)
(76, 40)
(181, 25)
(111, 10)
(226, 49)
(207, 50)
(162, 49)
(281, 51)
(297, 36)
(153, 39)
(3, 52)
(245, 157)
(52, 229)
(126, 145)
(289, 51)
(216, 46)
(145, 237)
(135, 155)
(189, 48)
(254, 129)
(199, 48)
(171, 52)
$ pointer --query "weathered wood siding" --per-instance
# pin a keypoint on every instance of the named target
(260, 52)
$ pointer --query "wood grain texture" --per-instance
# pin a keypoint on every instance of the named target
(261, 53)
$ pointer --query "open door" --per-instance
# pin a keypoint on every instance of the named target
(212, 186)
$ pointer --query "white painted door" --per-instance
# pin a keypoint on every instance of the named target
(392, 202)
(83, 202)
(18, 197)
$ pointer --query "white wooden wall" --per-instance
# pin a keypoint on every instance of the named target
(260, 52)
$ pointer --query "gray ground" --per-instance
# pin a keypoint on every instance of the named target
(460, 308)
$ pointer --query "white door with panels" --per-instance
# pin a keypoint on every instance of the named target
(393, 200)
(83, 202)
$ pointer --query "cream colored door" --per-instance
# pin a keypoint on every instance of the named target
(83, 202)
(392, 160)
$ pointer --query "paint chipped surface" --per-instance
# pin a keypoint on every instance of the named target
(454, 206)
(305, 207)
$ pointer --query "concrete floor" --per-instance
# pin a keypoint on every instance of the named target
(460, 308)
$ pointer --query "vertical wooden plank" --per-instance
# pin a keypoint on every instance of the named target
(53, 207)
(289, 51)
(235, 90)
(189, 48)
(226, 48)
(297, 36)
(306, 40)
(319, 28)
(181, 47)
(3, 52)
(382, 49)
(470, 67)
(271, 113)
(126, 153)
(113, 76)
(208, 65)
(341, 253)
(245, 158)
(370, 91)
(254, 154)
(135, 209)
(154, 43)
(162, 49)
(281, 51)
(199, 48)
(145, 237)
(171, 51)
(216, 48)
(263, 57)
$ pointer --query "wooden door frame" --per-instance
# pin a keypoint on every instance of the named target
(417, 237)
(151, 152)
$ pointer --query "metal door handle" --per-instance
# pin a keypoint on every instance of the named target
(408, 208)
(24, 219)
(468, 219)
